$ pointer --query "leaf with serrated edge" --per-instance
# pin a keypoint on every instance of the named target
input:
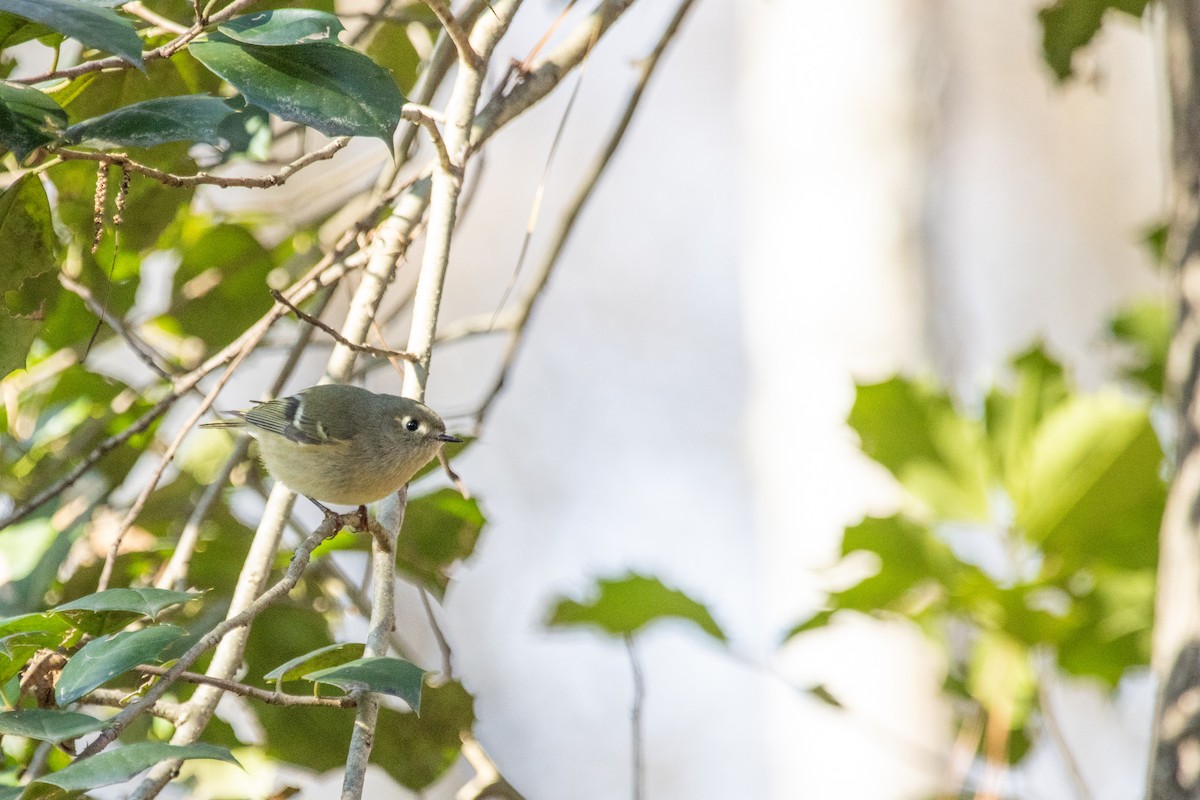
(321, 658)
(101, 660)
(379, 674)
(147, 601)
(625, 605)
(96, 27)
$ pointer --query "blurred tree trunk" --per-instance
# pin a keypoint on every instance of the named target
(1175, 760)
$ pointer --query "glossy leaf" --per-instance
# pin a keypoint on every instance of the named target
(626, 605)
(122, 763)
(321, 658)
(283, 26)
(440, 529)
(188, 118)
(330, 88)
(47, 725)
(380, 674)
(145, 601)
(94, 26)
(28, 118)
(1068, 25)
(936, 454)
(101, 660)
(27, 236)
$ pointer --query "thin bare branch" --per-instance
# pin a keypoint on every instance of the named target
(205, 178)
(253, 692)
(435, 626)
(427, 119)
(635, 719)
(457, 34)
(175, 713)
(337, 337)
(141, 12)
(145, 353)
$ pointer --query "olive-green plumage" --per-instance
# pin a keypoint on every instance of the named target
(342, 444)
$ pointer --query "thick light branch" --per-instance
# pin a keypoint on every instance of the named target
(457, 34)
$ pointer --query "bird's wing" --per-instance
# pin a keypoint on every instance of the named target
(285, 417)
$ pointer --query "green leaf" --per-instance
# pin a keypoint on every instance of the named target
(1012, 418)
(147, 601)
(936, 454)
(282, 27)
(28, 118)
(1146, 328)
(451, 450)
(27, 238)
(1070, 24)
(321, 658)
(101, 660)
(440, 529)
(188, 118)
(380, 674)
(327, 87)
(1093, 489)
(47, 725)
(910, 558)
(623, 606)
(818, 620)
(122, 763)
(391, 48)
(95, 27)
(1001, 678)
(1114, 620)
(428, 744)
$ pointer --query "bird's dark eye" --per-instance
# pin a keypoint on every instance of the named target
(411, 424)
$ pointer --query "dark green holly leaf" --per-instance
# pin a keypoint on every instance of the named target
(102, 659)
(321, 658)
(282, 27)
(146, 601)
(937, 454)
(330, 88)
(187, 118)
(28, 118)
(440, 529)
(48, 725)
(380, 674)
(623, 606)
(122, 763)
(96, 27)
(1068, 25)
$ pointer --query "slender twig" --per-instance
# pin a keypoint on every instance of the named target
(435, 626)
(517, 318)
(1055, 732)
(635, 719)
(145, 353)
(329, 526)
(337, 337)
(138, 10)
(119, 698)
(205, 178)
(426, 118)
(457, 34)
(253, 692)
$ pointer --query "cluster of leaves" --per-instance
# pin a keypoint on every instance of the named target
(1031, 530)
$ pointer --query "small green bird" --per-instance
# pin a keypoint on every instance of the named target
(342, 444)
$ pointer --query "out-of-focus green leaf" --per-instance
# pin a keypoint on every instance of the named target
(1093, 489)
(283, 27)
(101, 660)
(14, 30)
(33, 549)
(1001, 677)
(819, 619)
(391, 48)
(27, 237)
(381, 674)
(323, 657)
(28, 118)
(1113, 625)
(330, 88)
(47, 725)
(910, 558)
(1012, 417)
(1146, 328)
(430, 743)
(452, 451)
(96, 27)
(1068, 25)
(439, 530)
(936, 454)
(623, 606)
(122, 763)
(186, 118)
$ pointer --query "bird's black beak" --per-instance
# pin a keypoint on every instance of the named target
(445, 437)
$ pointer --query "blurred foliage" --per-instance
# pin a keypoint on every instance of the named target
(1030, 531)
(1069, 25)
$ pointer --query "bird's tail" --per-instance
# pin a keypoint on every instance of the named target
(224, 423)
